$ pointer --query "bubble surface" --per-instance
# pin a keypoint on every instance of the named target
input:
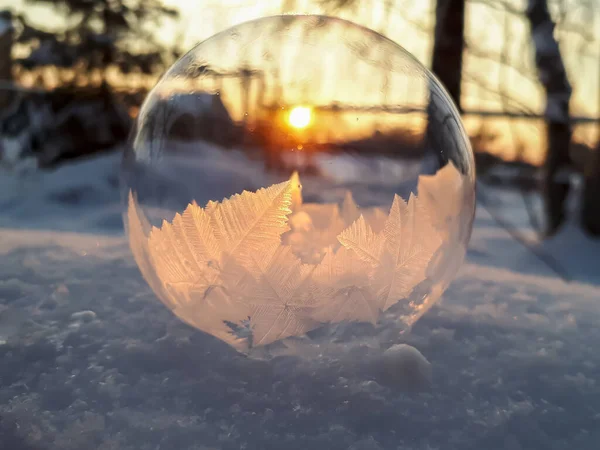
(299, 184)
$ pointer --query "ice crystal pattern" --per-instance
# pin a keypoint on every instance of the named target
(238, 269)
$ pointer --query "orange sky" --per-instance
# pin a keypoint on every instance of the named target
(411, 26)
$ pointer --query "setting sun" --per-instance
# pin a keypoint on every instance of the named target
(300, 117)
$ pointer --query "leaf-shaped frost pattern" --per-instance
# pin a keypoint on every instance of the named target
(212, 311)
(137, 230)
(186, 253)
(350, 210)
(278, 302)
(400, 254)
(361, 238)
(232, 270)
(410, 243)
(199, 267)
(340, 289)
(248, 223)
(315, 227)
(447, 194)
(443, 193)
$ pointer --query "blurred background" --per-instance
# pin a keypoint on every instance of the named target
(90, 359)
(525, 75)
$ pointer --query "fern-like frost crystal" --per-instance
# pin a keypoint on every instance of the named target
(263, 266)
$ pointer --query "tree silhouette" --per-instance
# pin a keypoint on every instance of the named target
(446, 64)
(98, 34)
(446, 61)
(553, 77)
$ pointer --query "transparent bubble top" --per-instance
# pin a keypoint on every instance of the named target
(298, 181)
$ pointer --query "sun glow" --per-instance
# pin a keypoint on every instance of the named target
(300, 117)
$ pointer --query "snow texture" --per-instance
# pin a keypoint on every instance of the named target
(89, 358)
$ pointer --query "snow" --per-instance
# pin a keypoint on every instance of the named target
(89, 358)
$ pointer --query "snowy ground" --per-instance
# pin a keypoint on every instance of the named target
(89, 359)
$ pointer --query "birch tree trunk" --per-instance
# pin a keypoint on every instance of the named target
(446, 64)
(553, 76)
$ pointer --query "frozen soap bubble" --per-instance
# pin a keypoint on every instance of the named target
(299, 182)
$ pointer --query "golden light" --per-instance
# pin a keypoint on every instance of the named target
(300, 117)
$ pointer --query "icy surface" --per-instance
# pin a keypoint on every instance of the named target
(89, 358)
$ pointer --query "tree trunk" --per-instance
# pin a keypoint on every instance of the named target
(448, 45)
(553, 76)
(6, 43)
(590, 208)
(446, 64)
